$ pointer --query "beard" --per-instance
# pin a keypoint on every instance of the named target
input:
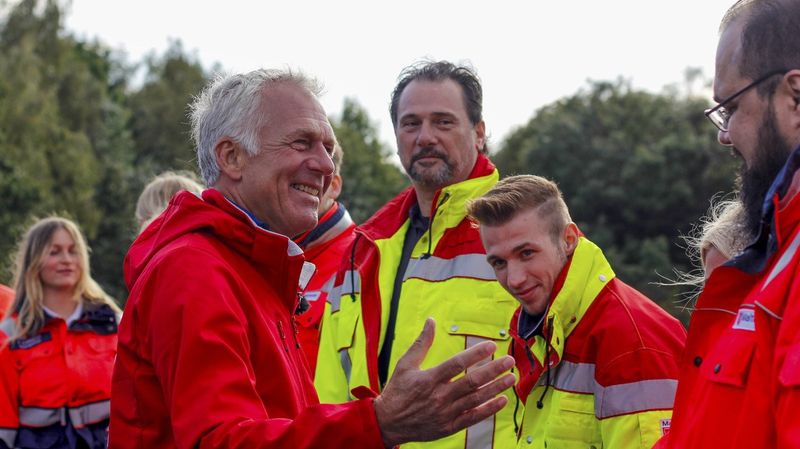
(431, 177)
(755, 181)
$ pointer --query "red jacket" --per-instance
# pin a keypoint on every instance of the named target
(208, 355)
(740, 377)
(324, 246)
(55, 386)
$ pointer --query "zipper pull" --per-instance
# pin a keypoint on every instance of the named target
(296, 333)
(283, 336)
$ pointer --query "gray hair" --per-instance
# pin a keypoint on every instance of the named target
(231, 105)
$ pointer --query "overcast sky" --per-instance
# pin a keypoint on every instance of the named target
(528, 53)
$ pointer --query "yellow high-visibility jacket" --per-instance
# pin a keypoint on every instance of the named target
(447, 278)
(613, 363)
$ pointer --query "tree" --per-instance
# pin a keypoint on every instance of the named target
(636, 170)
(369, 178)
(59, 125)
(159, 121)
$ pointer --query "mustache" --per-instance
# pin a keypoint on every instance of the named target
(429, 152)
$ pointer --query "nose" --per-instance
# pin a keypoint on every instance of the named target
(515, 276)
(427, 135)
(724, 138)
(321, 160)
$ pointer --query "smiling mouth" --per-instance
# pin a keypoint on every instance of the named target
(306, 189)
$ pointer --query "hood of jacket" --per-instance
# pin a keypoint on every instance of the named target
(215, 215)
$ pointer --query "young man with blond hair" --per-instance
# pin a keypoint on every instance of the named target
(597, 360)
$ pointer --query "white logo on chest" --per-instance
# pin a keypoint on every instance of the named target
(745, 320)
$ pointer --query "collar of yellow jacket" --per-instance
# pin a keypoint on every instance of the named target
(450, 204)
(588, 273)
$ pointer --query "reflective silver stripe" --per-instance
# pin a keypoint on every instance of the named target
(328, 287)
(479, 436)
(8, 436)
(7, 327)
(40, 417)
(654, 394)
(90, 413)
(335, 299)
(574, 377)
(472, 341)
(351, 284)
(347, 364)
(436, 269)
(783, 262)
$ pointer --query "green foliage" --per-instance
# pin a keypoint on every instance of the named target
(369, 179)
(636, 170)
(56, 114)
(159, 122)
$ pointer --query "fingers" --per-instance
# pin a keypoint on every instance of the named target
(419, 349)
(479, 413)
(459, 363)
(477, 377)
(476, 397)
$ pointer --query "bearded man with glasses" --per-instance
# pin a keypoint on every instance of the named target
(740, 379)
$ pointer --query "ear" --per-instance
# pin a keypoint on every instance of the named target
(335, 189)
(480, 135)
(571, 237)
(230, 158)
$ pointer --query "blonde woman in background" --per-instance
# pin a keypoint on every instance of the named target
(722, 236)
(157, 193)
(58, 345)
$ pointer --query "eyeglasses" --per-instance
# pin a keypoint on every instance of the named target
(719, 115)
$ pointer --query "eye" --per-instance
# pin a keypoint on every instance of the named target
(497, 264)
(445, 122)
(527, 253)
(409, 124)
(300, 144)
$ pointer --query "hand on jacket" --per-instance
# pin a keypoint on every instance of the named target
(419, 405)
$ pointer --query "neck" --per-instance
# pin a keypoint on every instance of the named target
(425, 200)
(62, 302)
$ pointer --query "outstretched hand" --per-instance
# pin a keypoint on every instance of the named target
(419, 405)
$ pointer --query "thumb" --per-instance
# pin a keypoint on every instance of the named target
(419, 349)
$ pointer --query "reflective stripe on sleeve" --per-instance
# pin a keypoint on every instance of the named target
(90, 413)
(653, 394)
(79, 416)
(436, 269)
(8, 436)
(40, 417)
(614, 400)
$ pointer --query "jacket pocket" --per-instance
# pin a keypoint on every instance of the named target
(571, 421)
(729, 362)
(345, 330)
(485, 319)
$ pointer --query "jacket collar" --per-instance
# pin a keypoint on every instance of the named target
(335, 221)
(449, 204)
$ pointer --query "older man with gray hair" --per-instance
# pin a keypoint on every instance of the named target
(208, 352)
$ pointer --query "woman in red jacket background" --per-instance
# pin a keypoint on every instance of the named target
(57, 345)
